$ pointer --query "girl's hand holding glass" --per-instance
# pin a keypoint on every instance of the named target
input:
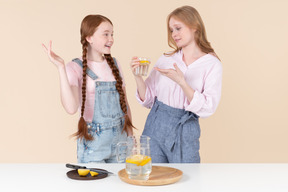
(135, 62)
(140, 66)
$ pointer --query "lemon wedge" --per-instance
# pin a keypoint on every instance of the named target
(135, 159)
(93, 173)
(144, 62)
(139, 160)
(146, 160)
(83, 172)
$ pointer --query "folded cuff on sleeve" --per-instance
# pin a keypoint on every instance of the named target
(196, 104)
(146, 102)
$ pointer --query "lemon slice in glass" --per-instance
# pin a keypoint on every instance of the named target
(146, 160)
(139, 160)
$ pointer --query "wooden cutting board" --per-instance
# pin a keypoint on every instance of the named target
(159, 176)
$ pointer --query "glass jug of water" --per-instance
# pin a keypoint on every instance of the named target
(135, 152)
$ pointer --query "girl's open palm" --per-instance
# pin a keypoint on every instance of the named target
(58, 61)
(174, 74)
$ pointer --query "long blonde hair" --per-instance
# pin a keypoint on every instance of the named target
(190, 17)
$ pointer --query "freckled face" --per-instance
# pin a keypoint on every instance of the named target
(102, 39)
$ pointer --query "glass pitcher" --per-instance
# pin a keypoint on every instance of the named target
(135, 152)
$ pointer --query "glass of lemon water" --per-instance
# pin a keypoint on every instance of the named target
(137, 157)
(142, 69)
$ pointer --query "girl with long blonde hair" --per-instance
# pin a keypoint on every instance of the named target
(184, 84)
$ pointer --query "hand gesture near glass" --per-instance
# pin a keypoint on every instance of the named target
(174, 74)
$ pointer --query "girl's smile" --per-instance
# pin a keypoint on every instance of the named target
(102, 39)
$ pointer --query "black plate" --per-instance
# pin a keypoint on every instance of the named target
(74, 175)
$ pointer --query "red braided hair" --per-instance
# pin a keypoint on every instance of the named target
(88, 27)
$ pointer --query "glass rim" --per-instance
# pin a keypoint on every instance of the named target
(139, 136)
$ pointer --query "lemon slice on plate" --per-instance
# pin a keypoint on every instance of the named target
(83, 172)
(93, 173)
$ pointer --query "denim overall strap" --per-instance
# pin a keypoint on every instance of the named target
(174, 144)
(89, 72)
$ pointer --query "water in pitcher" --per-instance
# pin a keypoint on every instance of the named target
(135, 152)
(138, 167)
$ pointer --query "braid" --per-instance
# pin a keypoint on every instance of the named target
(88, 27)
(84, 57)
(119, 88)
(82, 126)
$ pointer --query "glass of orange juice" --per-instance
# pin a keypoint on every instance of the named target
(143, 67)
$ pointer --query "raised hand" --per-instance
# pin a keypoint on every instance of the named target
(58, 61)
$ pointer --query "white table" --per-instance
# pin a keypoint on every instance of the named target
(196, 178)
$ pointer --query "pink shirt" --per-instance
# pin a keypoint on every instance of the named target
(104, 73)
(204, 76)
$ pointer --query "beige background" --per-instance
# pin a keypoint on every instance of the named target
(250, 37)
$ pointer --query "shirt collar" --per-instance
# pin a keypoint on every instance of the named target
(179, 57)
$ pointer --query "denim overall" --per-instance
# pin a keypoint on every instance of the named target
(174, 134)
(107, 124)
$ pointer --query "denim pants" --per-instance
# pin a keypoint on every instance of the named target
(174, 134)
(106, 126)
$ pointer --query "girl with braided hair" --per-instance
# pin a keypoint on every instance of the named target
(94, 85)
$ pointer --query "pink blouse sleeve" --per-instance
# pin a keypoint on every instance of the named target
(205, 103)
